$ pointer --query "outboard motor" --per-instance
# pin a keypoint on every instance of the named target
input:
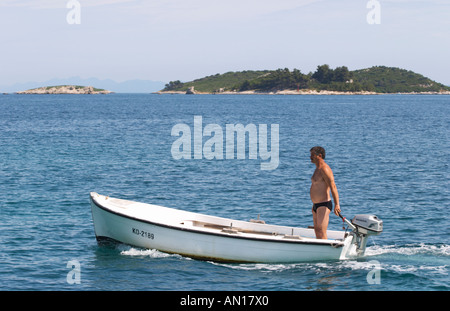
(368, 224)
(363, 226)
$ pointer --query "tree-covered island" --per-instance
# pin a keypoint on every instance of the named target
(374, 80)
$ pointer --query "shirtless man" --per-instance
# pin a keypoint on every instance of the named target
(322, 182)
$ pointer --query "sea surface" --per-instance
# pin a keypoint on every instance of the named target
(390, 156)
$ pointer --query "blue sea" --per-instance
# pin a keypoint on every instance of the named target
(390, 156)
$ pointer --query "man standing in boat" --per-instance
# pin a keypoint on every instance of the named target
(322, 182)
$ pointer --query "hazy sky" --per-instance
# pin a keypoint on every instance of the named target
(167, 40)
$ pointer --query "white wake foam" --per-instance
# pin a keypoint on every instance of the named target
(152, 253)
(436, 261)
(408, 265)
(409, 249)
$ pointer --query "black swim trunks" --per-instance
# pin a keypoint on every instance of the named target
(328, 204)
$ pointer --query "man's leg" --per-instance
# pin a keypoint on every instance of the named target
(320, 219)
(314, 221)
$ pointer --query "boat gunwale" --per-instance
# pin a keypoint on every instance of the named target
(329, 243)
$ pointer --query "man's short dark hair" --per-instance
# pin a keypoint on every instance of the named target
(318, 150)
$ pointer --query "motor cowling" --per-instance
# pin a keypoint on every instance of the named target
(368, 224)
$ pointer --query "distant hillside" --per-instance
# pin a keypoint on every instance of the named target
(395, 80)
(216, 82)
(379, 79)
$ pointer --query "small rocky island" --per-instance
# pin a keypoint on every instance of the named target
(66, 89)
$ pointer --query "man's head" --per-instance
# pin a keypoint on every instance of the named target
(318, 151)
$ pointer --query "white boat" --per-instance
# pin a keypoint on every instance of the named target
(221, 239)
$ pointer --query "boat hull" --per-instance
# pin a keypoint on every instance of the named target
(181, 237)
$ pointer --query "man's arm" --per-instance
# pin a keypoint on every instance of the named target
(327, 175)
